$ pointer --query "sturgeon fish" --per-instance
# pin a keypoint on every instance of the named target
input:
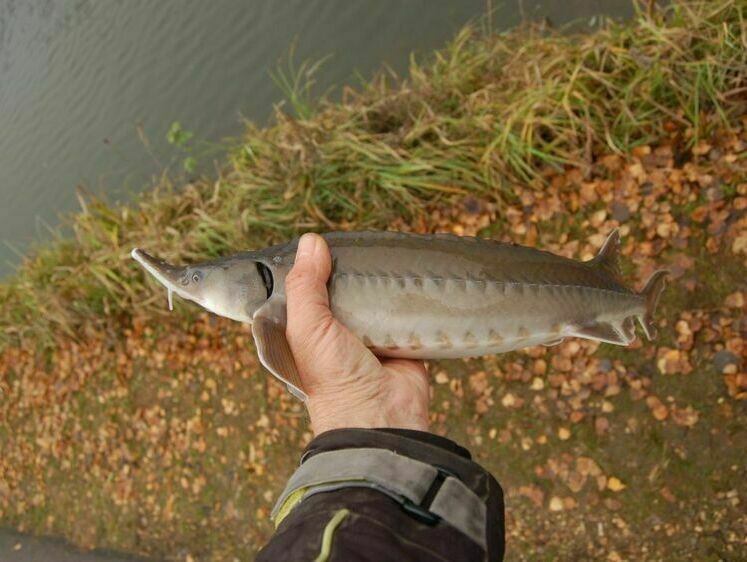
(424, 296)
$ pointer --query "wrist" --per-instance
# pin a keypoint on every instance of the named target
(327, 413)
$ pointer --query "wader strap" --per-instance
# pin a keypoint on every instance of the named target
(405, 480)
(461, 507)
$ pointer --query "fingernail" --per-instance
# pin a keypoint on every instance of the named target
(306, 247)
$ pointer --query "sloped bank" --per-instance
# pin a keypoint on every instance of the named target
(126, 427)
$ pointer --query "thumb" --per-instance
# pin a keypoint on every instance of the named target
(309, 317)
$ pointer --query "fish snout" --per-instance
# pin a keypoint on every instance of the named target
(160, 269)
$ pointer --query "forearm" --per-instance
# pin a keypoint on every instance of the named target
(422, 498)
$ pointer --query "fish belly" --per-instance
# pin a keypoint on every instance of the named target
(435, 317)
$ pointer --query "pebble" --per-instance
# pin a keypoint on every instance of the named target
(714, 194)
(619, 211)
(723, 359)
(442, 377)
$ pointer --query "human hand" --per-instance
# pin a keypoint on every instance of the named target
(346, 384)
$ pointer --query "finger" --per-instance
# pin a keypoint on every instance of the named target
(306, 283)
(309, 317)
(324, 350)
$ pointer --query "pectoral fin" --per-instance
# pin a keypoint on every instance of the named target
(554, 342)
(268, 328)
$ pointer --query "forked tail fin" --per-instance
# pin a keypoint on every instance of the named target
(651, 292)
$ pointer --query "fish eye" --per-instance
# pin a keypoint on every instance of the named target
(196, 277)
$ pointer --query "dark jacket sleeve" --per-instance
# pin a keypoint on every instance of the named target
(375, 527)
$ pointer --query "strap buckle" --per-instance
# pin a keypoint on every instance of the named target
(420, 510)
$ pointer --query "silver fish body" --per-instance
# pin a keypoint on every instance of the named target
(437, 296)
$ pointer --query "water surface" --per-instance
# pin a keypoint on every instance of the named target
(89, 88)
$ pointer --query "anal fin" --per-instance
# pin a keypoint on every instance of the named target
(604, 332)
(268, 329)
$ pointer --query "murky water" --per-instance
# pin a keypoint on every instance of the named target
(89, 88)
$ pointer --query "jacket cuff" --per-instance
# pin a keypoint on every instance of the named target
(462, 493)
(425, 447)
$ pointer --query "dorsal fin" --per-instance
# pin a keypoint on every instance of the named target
(608, 257)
